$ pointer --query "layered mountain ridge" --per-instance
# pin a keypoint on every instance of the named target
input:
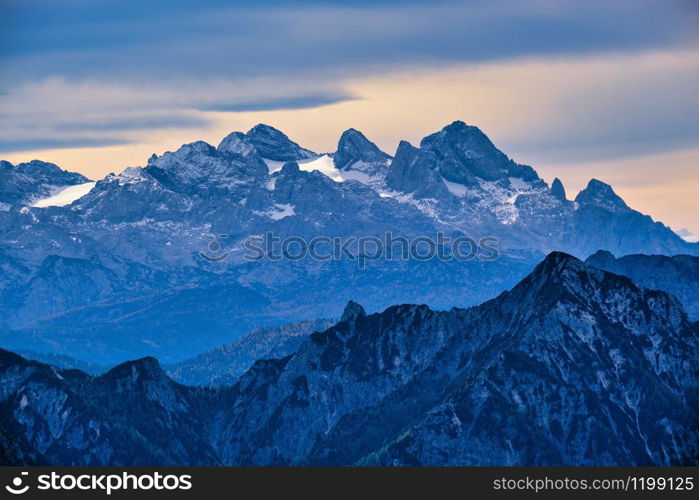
(80, 279)
(225, 364)
(573, 366)
(677, 275)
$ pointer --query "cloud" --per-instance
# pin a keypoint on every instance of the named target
(136, 40)
(561, 111)
(19, 145)
(540, 111)
(86, 72)
(277, 103)
(58, 112)
(601, 108)
(102, 123)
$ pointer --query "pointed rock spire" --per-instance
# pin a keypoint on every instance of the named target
(602, 195)
(603, 259)
(132, 374)
(353, 147)
(414, 170)
(558, 259)
(557, 190)
(352, 312)
(557, 269)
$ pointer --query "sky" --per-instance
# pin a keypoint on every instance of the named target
(578, 90)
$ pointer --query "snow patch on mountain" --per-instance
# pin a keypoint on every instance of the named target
(273, 165)
(501, 201)
(130, 175)
(65, 195)
(357, 175)
(455, 188)
(279, 211)
(271, 183)
(519, 184)
(428, 206)
(323, 164)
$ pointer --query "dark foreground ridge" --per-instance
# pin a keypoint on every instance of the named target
(573, 366)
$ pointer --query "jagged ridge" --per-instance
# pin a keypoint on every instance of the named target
(573, 366)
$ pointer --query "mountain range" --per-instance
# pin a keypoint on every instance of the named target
(677, 274)
(26, 183)
(225, 364)
(572, 366)
(81, 277)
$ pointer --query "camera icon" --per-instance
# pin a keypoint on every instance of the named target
(214, 254)
(16, 487)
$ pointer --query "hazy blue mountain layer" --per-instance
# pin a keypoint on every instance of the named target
(678, 274)
(573, 366)
(150, 260)
(225, 364)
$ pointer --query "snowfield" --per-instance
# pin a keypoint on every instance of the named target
(65, 195)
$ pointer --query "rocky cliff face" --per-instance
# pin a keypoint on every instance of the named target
(273, 144)
(133, 414)
(573, 366)
(677, 275)
(354, 147)
(574, 379)
(566, 368)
